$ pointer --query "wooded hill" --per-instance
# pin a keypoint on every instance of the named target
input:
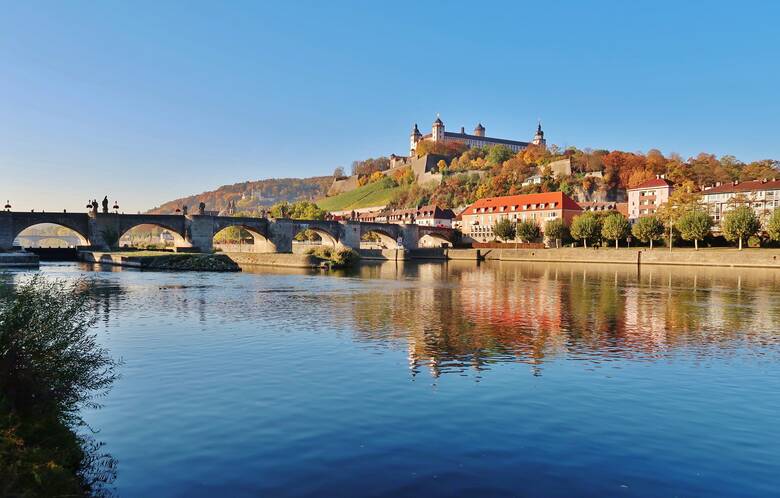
(252, 195)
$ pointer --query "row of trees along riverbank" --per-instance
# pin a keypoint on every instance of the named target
(684, 217)
(51, 367)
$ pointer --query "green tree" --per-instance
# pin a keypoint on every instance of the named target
(773, 225)
(556, 230)
(280, 210)
(528, 231)
(694, 225)
(740, 224)
(504, 229)
(615, 227)
(585, 227)
(647, 229)
(498, 154)
(305, 210)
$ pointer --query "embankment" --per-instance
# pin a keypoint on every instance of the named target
(19, 260)
(275, 259)
(748, 258)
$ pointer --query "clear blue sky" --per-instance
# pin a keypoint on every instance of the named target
(149, 101)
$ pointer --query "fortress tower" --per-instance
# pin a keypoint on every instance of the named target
(539, 137)
(437, 133)
(415, 137)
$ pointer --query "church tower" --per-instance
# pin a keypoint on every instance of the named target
(438, 130)
(479, 130)
(415, 137)
(539, 137)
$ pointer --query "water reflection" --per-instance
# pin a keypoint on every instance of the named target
(460, 316)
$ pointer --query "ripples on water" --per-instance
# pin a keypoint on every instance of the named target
(442, 380)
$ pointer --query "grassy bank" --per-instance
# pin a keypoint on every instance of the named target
(152, 260)
(373, 194)
(334, 258)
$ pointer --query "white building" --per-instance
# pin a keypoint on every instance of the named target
(762, 195)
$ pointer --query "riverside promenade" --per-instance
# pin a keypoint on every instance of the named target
(720, 256)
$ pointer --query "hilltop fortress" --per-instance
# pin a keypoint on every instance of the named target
(424, 167)
(477, 139)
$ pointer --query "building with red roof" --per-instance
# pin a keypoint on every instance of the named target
(479, 218)
(645, 198)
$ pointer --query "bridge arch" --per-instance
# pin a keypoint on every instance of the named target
(43, 231)
(325, 237)
(380, 236)
(146, 234)
(435, 240)
(259, 241)
(127, 237)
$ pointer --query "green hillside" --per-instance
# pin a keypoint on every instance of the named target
(373, 194)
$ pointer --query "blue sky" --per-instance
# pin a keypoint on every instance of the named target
(149, 101)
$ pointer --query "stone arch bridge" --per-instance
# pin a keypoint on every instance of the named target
(99, 230)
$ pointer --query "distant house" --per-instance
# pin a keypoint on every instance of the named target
(557, 169)
(645, 198)
(533, 180)
(618, 207)
(432, 216)
(479, 218)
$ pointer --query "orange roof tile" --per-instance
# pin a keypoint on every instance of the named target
(562, 201)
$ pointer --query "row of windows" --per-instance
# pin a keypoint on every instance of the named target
(759, 194)
(525, 207)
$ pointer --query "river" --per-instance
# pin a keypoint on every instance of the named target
(499, 379)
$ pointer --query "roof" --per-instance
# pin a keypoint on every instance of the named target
(653, 183)
(466, 136)
(748, 186)
(562, 200)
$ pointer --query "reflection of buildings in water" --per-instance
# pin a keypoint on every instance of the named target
(472, 316)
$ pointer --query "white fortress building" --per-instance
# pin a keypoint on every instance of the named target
(477, 139)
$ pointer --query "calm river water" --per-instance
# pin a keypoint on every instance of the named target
(442, 380)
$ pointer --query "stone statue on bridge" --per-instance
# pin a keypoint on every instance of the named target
(105, 204)
(184, 210)
(94, 206)
(202, 208)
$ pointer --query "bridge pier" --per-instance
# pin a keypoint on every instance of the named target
(6, 231)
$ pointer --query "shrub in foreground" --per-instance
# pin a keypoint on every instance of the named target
(51, 366)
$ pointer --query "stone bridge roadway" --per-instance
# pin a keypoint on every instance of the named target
(99, 230)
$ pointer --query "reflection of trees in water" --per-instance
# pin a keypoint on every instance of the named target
(470, 317)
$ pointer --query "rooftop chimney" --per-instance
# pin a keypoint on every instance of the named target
(462, 130)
